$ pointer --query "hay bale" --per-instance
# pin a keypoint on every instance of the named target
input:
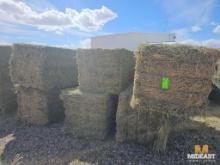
(136, 125)
(88, 115)
(101, 70)
(42, 67)
(8, 103)
(39, 107)
(189, 69)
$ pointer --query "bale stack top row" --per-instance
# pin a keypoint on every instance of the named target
(189, 70)
(43, 67)
(105, 71)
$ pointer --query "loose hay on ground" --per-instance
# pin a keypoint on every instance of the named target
(102, 70)
(88, 115)
(7, 95)
(43, 67)
(39, 107)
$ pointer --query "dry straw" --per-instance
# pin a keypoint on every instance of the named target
(43, 67)
(7, 95)
(102, 70)
(39, 107)
(148, 114)
(88, 115)
(39, 73)
(190, 70)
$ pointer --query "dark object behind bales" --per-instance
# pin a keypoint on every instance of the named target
(8, 103)
(214, 95)
(102, 70)
(42, 67)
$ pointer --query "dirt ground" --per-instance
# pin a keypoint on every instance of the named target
(23, 144)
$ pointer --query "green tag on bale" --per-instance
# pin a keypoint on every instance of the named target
(165, 83)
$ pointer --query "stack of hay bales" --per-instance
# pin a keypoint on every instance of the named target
(39, 73)
(148, 112)
(90, 109)
(8, 103)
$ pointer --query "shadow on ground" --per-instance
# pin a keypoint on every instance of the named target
(27, 144)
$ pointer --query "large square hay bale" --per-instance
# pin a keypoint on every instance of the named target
(7, 95)
(88, 115)
(150, 127)
(43, 67)
(189, 69)
(102, 70)
(39, 107)
(136, 125)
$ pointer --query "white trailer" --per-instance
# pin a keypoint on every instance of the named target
(131, 40)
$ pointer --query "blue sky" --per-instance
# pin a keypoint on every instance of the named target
(71, 23)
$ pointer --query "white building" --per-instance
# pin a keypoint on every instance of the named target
(131, 40)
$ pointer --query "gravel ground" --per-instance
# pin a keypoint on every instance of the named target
(23, 144)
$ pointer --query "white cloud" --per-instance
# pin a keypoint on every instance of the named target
(213, 43)
(181, 34)
(217, 29)
(196, 11)
(87, 20)
(2, 42)
(195, 28)
(85, 44)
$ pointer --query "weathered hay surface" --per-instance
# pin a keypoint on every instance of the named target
(39, 107)
(42, 67)
(88, 115)
(7, 95)
(102, 70)
(147, 126)
(136, 125)
(190, 70)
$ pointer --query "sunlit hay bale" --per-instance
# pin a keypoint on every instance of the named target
(135, 125)
(39, 107)
(189, 69)
(43, 67)
(102, 70)
(88, 115)
(8, 103)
